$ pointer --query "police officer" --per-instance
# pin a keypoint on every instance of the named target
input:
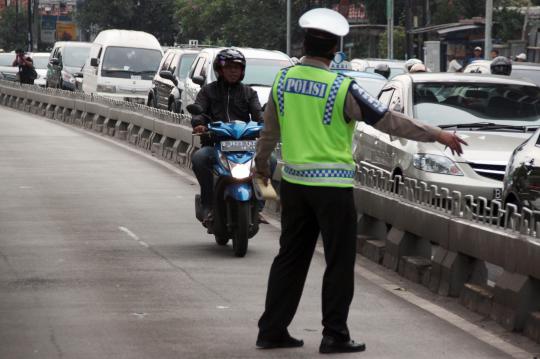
(501, 66)
(314, 111)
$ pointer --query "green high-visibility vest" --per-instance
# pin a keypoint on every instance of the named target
(316, 138)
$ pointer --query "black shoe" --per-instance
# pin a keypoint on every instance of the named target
(330, 345)
(286, 342)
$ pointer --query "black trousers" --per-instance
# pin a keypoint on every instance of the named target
(306, 212)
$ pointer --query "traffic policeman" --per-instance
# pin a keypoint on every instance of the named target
(313, 111)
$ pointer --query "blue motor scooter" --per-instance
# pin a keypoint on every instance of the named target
(235, 212)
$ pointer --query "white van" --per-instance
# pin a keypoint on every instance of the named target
(122, 64)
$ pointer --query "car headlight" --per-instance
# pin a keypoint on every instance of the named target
(106, 88)
(67, 77)
(240, 170)
(436, 164)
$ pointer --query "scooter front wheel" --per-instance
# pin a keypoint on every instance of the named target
(241, 233)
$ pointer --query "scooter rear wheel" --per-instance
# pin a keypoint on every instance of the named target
(241, 233)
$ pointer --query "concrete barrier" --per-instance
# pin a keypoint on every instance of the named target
(445, 241)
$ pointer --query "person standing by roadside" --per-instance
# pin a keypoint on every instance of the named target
(477, 55)
(314, 111)
(27, 74)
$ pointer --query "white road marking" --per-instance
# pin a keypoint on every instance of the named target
(133, 236)
(25, 187)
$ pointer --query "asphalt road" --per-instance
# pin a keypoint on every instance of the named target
(101, 257)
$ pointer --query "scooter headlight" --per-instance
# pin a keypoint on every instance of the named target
(240, 170)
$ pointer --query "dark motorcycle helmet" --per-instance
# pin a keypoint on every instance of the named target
(501, 66)
(229, 55)
(383, 69)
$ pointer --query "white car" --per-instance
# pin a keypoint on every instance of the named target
(8, 71)
(493, 114)
(40, 59)
(261, 69)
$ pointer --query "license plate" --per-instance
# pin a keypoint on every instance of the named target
(136, 77)
(238, 146)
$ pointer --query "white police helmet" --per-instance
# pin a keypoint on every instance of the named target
(325, 20)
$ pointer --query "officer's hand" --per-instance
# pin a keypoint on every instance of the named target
(452, 141)
(200, 129)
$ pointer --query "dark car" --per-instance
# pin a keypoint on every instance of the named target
(522, 177)
(65, 64)
(168, 83)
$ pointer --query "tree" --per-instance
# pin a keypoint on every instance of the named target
(155, 17)
(399, 44)
(11, 37)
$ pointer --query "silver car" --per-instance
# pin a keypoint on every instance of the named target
(493, 114)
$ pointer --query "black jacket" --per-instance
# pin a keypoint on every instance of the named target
(226, 103)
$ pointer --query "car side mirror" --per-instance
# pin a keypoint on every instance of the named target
(194, 109)
(54, 61)
(398, 107)
(168, 76)
(94, 62)
(199, 80)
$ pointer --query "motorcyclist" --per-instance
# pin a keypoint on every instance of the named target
(501, 66)
(226, 99)
(383, 69)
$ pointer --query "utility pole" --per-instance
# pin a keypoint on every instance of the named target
(29, 10)
(390, 28)
(489, 24)
(289, 27)
(525, 21)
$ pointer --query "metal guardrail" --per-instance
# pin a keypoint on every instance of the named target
(442, 239)
(476, 209)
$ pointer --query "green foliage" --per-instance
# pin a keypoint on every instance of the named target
(155, 17)
(11, 36)
(399, 44)
(508, 24)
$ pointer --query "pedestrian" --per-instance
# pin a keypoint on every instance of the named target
(477, 54)
(313, 111)
(521, 57)
(27, 74)
(455, 65)
(494, 53)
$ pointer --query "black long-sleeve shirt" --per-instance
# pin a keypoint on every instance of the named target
(224, 102)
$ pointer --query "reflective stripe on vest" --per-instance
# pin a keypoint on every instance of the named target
(320, 173)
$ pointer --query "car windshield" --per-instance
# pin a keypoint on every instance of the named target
(262, 72)
(394, 71)
(40, 62)
(126, 62)
(463, 103)
(527, 75)
(7, 59)
(185, 65)
(75, 56)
